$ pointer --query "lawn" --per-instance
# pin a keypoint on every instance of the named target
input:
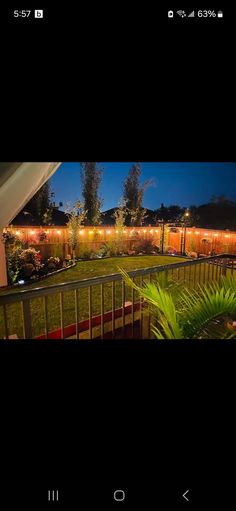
(82, 270)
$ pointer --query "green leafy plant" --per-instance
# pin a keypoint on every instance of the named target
(146, 246)
(53, 263)
(86, 252)
(76, 216)
(190, 314)
(110, 249)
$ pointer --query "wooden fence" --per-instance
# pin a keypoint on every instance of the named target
(202, 241)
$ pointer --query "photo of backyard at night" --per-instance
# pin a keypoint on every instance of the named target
(117, 250)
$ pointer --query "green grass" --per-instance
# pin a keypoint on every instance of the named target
(89, 269)
(83, 270)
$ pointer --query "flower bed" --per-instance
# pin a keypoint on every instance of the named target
(25, 265)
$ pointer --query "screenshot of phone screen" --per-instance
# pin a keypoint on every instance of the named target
(118, 262)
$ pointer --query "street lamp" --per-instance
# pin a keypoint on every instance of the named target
(162, 235)
(186, 216)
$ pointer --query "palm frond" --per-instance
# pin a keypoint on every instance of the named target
(204, 306)
(162, 305)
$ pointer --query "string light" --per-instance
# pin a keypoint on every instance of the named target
(32, 232)
(108, 232)
(99, 232)
(90, 232)
(58, 232)
(81, 232)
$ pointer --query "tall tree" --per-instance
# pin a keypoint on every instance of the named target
(133, 196)
(91, 176)
(40, 205)
(76, 217)
(120, 215)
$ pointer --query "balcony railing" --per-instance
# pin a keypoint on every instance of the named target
(99, 307)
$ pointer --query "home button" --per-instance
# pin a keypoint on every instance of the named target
(119, 495)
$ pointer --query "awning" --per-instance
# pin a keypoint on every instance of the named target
(18, 183)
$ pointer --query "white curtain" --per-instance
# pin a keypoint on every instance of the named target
(18, 183)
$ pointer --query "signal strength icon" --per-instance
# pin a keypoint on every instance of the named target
(191, 15)
(181, 13)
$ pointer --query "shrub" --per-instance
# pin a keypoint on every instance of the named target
(86, 252)
(171, 250)
(13, 266)
(110, 249)
(9, 238)
(146, 246)
(31, 256)
(53, 263)
(22, 264)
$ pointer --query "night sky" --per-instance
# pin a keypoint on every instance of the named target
(179, 183)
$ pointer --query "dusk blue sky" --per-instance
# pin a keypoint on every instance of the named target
(174, 183)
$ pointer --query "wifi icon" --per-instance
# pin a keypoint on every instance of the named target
(182, 14)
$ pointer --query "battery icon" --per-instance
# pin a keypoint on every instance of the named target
(220, 14)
